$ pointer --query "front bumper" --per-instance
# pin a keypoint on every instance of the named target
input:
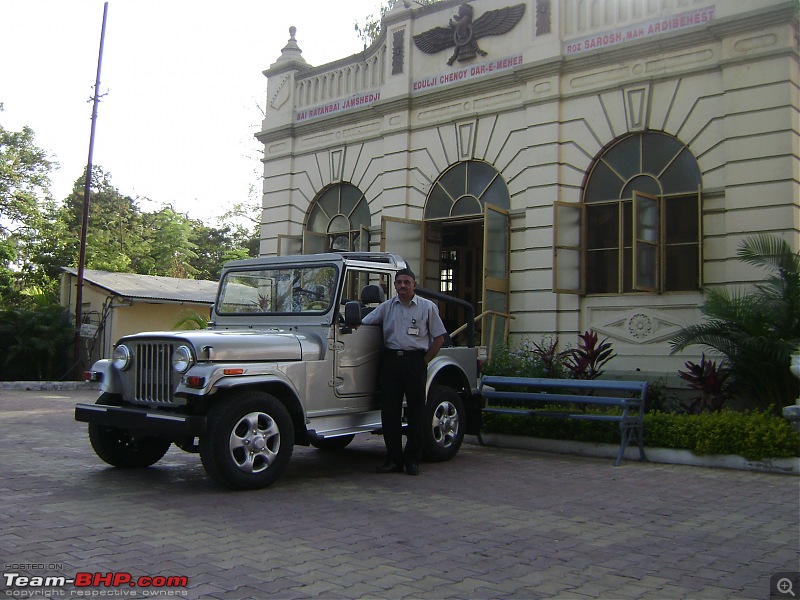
(142, 420)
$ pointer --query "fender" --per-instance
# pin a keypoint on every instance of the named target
(226, 376)
(104, 373)
(442, 362)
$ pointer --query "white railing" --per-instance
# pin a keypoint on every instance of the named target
(581, 16)
(341, 82)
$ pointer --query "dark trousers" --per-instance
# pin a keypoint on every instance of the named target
(403, 375)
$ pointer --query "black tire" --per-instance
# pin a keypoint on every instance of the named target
(249, 441)
(444, 422)
(122, 448)
(331, 444)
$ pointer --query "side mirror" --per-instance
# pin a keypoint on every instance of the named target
(352, 314)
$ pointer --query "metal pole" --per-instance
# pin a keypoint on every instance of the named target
(87, 186)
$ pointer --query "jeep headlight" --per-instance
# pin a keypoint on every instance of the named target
(121, 358)
(182, 359)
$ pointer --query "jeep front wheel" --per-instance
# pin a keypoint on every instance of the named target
(249, 441)
(121, 448)
(444, 424)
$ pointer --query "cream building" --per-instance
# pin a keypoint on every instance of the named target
(576, 164)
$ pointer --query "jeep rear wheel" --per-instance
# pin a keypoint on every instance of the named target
(249, 441)
(122, 448)
(444, 424)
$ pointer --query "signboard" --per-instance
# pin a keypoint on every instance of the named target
(466, 73)
(337, 106)
(88, 331)
(649, 28)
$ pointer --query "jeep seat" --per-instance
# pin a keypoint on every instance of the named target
(371, 294)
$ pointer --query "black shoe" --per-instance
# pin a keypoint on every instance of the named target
(412, 469)
(389, 467)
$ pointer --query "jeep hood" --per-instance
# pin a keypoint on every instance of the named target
(251, 345)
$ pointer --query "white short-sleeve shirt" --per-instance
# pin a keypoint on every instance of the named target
(412, 327)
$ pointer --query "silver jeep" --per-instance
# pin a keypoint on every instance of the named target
(282, 362)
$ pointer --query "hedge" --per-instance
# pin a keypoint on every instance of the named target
(752, 435)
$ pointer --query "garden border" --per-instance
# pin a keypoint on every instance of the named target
(674, 456)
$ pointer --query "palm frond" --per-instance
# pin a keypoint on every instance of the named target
(770, 251)
(756, 331)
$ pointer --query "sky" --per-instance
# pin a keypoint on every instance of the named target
(181, 83)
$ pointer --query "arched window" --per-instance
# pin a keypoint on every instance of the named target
(641, 215)
(464, 189)
(338, 220)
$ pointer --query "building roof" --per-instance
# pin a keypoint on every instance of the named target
(151, 287)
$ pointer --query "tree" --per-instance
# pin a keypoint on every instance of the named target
(122, 238)
(114, 236)
(24, 178)
(371, 29)
(214, 247)
(24, 185)
(235, 237)
(39, 237)
(244, 223)
(756, 331)
(56, 247)
(171, 249)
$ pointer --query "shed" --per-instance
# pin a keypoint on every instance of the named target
(118, 304)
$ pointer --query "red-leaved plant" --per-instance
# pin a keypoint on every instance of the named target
(550, 358)
(587, 360)
(711, 381)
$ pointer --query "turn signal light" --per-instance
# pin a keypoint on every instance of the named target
(232, 371)
(92, 376)
(193, 381)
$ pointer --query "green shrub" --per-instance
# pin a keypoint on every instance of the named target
(550, 428)
(522, 362)
(543, 359)
(35, 343)
(752, 435)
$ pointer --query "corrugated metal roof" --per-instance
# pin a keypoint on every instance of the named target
(151, 287)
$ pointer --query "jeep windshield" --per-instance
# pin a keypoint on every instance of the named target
(278, 291)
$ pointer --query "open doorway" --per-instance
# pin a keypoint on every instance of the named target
(457, 267)
(461, 247)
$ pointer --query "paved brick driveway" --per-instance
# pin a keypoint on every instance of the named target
(492, 523)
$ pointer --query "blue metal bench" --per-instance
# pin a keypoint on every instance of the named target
(569, 393)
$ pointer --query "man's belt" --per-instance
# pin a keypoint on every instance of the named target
(404, 352)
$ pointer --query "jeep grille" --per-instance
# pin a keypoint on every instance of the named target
(153, 373)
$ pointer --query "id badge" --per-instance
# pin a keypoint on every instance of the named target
(413, 331)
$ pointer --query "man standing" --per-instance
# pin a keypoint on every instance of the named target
(413, 333)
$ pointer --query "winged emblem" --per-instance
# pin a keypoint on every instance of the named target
(463, 33)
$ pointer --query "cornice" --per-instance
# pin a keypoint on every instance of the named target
(286, 67)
